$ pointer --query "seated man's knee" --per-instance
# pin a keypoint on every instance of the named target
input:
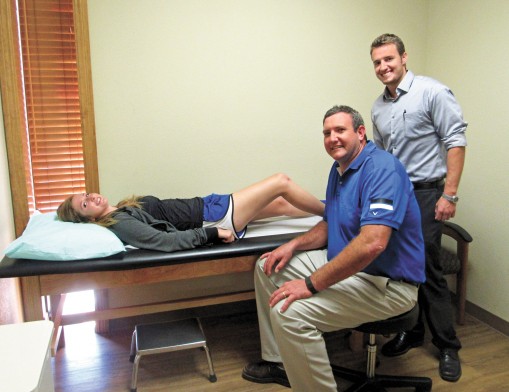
(259, 266)
(277, 319)
(291, 318)
(259, 274)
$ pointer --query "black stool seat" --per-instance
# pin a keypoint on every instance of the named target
(369, 381)
(401, 323)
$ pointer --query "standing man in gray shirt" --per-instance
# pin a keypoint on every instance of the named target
(418, 119)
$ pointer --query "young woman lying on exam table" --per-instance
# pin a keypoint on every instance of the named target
(170, 225)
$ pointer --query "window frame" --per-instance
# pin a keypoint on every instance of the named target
(12, 102)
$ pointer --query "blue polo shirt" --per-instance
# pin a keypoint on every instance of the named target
(376, 190)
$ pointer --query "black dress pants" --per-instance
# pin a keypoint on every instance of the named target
(434, 295)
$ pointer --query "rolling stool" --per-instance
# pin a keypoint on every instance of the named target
(369, 381)
(164, 337)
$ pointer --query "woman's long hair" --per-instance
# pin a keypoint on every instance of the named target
(67, 213)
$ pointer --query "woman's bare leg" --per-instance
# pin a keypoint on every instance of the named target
(274, 196)
(281, 207)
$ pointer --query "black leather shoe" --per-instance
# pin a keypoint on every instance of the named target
(403, 342)
(450, 365)
(264, 372)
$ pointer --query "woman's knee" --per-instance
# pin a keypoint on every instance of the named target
(281, 179)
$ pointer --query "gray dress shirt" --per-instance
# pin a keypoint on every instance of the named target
(419, 126)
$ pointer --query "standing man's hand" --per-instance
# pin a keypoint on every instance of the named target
(444, 210)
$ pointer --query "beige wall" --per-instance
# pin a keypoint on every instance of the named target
(466, 48)
(194, 97)
(180, 82)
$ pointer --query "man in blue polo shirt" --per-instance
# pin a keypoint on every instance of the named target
(370, 269)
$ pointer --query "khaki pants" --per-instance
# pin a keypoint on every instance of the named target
(295, 336)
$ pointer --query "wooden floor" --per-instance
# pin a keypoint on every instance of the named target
(92, 362)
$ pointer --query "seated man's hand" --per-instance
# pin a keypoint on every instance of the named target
(277, 259)
(289, 292)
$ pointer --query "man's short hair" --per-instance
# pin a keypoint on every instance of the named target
(357, 119)
(386, 39)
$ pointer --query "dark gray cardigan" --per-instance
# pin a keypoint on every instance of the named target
(138, 228)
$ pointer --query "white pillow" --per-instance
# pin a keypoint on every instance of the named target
(48, 238)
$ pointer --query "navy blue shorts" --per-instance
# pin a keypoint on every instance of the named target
(218, 212)
(215, 207)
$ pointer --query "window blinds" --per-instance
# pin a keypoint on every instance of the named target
(49, 71)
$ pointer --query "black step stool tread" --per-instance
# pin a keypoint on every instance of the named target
(169, 336)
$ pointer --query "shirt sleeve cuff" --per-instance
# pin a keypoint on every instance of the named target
(212, 234)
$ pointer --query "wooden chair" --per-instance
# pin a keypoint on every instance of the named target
(456, 263)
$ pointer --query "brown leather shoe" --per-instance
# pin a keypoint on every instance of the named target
(264, 372)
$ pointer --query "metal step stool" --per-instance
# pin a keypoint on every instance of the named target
(164, 337)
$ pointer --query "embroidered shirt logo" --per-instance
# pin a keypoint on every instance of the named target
(380, 204)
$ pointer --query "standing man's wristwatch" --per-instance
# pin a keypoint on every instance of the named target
(453, 199)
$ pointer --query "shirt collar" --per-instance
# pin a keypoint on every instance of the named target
(357, 162)
(403, 87)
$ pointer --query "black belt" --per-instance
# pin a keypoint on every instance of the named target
(412, 283)
(428, 185)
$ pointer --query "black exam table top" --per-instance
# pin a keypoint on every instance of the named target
(141, 258)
